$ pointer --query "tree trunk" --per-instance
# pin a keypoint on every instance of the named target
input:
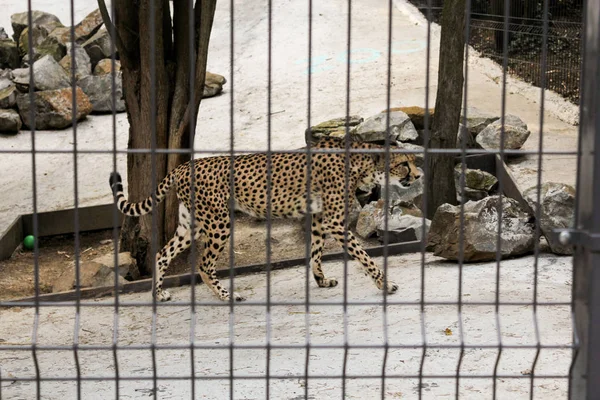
(440, 167)
(155, 59)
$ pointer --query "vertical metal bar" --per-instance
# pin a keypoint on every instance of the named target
(116, 214)
(308, 222)
(154, 216)
(462, 184)
(269, 177)
(386, 202)
(346, 179)
(500, 191)
(585, 372)
(192, 132)
(76, 204)
(426, 135)
(538, 208)
(36, 248)
(231, 202)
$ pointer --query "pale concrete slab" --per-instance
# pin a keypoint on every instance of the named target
(323, 325)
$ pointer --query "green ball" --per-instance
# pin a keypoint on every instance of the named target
(29, 242)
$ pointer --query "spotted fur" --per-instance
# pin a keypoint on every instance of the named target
(326, 203)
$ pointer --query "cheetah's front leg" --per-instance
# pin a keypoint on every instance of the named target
(317, 242)
(356, 251)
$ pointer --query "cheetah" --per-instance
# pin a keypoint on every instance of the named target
(325, 204)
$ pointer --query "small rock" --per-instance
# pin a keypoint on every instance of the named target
(83, 66)
(514, 137)
(10, 122)
(402, 196)
(477, 120)
(475, 179)
(9, 54)
(8, 95)
(99, 90)
(104, 67)
(335, 128)
(404, 228)
(372, 218)
(127, 265)
(53, 45)
(46, 21)
(6, 74)
(3, 34)
(99, 46)
(470, 195)
(47, 75)
(416, 115)
(91, 274)
(481, 230)
(374, 129)
(88, 26)
(53, 108)
(468, 137)
(213, 84)
(38, 35)
(557, 211)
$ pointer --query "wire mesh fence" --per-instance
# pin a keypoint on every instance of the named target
(471, 300)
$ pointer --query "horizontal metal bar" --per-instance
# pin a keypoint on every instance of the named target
(299, 151)
(390, 302)
(263, 346)
(280, 377)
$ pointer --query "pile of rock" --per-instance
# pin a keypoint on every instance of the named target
(71, 67)
(403, 221)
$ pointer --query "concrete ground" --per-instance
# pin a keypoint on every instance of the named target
(290, 76)
(325, 325)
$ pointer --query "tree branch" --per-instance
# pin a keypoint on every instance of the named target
(124, 54)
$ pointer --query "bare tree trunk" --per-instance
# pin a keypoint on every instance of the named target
(155, 59)
(440, 180)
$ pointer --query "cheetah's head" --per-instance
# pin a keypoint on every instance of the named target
(403, 169)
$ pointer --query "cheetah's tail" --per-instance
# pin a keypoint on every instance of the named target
(144, 206)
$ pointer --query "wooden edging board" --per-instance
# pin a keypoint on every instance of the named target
(186, 279)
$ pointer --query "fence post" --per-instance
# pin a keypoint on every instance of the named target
(585, 374)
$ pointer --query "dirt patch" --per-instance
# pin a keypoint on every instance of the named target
(17, 274)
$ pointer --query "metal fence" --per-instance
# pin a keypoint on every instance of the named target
(526, 34)
(348, 343)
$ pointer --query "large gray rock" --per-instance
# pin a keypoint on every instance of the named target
(38, 35)
(8, 95)
(88, 26)
(53, 46)
(371, 218)
(335, 128)
(404, 228)
(99, 46)
(44, 20)
(53, 108)
(47, 75)
(374, 129)
(514, 136)
(481, 230)
(10, 122)
(9, 54)
(477, 120)
(83, 65)
(557, 211)
(475, 179)
(99, 90)
(402, 196)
